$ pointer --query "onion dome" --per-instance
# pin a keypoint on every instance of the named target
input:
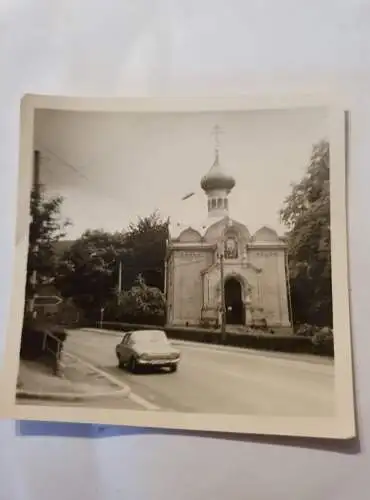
(216, 179)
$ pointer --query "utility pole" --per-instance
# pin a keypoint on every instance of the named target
(119, 284)
(223, 309)
(35, 248)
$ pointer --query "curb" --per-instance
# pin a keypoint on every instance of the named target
(126, 389)
(69, 396)
(281, 355)
(113, 333)
(123, 389)
(99, 371)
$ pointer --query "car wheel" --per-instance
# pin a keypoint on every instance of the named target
(173, 368)
(133, 365)
(120, 362)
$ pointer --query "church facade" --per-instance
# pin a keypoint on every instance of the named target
(219, 265)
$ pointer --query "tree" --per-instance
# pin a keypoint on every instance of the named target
(140, 304)
(46, 228)
(88, 270)
(145, 250)
(306, 213)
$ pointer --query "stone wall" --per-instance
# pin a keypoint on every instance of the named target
(187, 291)
(272, 284)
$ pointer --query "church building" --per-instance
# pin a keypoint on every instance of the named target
(219, 265)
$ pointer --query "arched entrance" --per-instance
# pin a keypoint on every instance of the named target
(235, 313)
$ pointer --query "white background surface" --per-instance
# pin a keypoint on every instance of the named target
(187, 47)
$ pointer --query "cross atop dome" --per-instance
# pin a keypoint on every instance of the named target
(216, 131)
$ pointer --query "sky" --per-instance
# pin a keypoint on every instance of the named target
(112, 168)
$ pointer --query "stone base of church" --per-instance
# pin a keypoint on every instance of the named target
(281, 330)
(184, 323)
(277, 329)
(210, 319)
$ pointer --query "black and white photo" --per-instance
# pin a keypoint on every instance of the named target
(182, 264)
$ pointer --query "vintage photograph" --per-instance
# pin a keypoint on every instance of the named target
(180, 266)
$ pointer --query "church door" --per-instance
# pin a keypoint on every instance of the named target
(235, 314)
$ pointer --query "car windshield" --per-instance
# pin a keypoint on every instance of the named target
(149, 336)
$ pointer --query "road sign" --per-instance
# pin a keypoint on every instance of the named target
(47, 300)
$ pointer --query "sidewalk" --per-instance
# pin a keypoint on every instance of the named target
(79, 381)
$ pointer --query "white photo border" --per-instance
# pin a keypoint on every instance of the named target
(342, 425)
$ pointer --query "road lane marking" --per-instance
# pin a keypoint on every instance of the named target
(95, 369)
(135, 398)
(147, 405)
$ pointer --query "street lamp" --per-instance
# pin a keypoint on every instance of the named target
(223, 308)
(119, 281)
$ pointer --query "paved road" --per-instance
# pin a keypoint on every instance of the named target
(219, 380)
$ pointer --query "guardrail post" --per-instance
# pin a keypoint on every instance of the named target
(55, 353)
(44, 342)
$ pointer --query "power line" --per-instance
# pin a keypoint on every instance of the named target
(66, 163)
(95, 184)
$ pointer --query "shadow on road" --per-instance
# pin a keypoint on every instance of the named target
(145, 371)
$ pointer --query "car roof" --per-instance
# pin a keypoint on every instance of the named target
(137, 333)
(149, 331)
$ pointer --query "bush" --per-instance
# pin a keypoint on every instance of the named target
(323, 341)
(152, 321)
(305, 330)
(126, 326)
(42, 342)
(264, 341)
(268, 342)
(141, 304)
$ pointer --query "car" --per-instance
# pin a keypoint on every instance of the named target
(147, 348)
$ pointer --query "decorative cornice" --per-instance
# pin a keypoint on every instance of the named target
(267, 246)
(196, 246)
(242, 264)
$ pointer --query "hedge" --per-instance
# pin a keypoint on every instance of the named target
(35, 347)
(319, 345)
(265, 341)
